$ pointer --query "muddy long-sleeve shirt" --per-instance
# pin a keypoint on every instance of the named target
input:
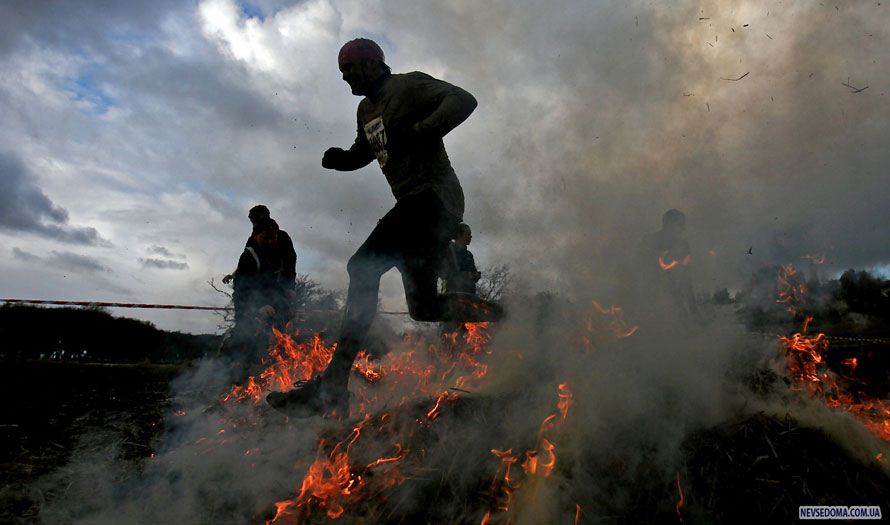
(402, 126)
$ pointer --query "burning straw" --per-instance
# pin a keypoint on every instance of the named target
(569, 416)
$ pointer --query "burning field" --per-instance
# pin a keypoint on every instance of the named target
(561, 415)
(622, 384)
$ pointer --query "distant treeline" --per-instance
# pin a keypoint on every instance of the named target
(857, 303)
(93, 335)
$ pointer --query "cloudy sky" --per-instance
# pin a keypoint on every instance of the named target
(136, 135)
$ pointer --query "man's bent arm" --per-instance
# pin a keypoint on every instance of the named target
(451, 105)
(359, 155)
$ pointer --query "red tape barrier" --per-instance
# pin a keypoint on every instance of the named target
(836, 340)
(145, 305)
(115, 305)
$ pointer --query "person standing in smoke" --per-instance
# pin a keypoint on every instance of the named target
(401, 122)
(667, 270)
(462, 274)
(288, 272)
(263, 286)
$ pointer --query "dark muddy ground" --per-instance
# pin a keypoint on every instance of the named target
(48, 406)
(754, 469)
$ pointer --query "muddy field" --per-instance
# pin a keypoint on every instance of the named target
(49, 407)
(754, 466)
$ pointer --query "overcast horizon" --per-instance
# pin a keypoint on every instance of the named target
(136, 135)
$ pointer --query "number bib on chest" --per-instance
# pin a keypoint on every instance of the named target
(377, 139)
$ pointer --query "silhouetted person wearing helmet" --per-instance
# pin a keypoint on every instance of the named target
(401, 122)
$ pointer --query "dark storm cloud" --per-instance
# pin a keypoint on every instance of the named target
(163, 264)
(192, 89)
(82, 24)
(25, 208)
(77, 263)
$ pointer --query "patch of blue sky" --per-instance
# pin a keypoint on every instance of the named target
(250, 10)
(85, 88)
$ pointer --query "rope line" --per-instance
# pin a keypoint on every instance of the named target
(834, 338)
(384, 312)
(152, 306)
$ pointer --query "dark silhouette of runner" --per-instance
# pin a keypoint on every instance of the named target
(401, 122)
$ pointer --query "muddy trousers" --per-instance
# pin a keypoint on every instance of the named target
(412, 237)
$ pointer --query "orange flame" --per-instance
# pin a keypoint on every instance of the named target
(681, 503)
(331, 482)
(667, 266)
(366, 369)
(539, 462)
(433, 413)
(289, 361)
(617, 325)
(805, 361)
(565, 400)
(790, 292)
(508, 484)
(547, 466)
(335, 480)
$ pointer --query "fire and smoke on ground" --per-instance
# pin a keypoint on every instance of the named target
(558, 415)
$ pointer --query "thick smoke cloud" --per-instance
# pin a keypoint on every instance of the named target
(607, 117)
(597, 119)
(84, 24)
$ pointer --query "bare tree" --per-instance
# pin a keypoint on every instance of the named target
(226, 318)
(495, 282)
(312, 296)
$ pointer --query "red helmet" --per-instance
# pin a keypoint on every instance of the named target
(358, 49)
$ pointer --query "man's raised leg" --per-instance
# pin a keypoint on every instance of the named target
(329, 391)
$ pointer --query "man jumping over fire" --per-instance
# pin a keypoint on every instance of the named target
(401, 122)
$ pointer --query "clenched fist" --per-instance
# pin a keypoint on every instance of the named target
(334, 158)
